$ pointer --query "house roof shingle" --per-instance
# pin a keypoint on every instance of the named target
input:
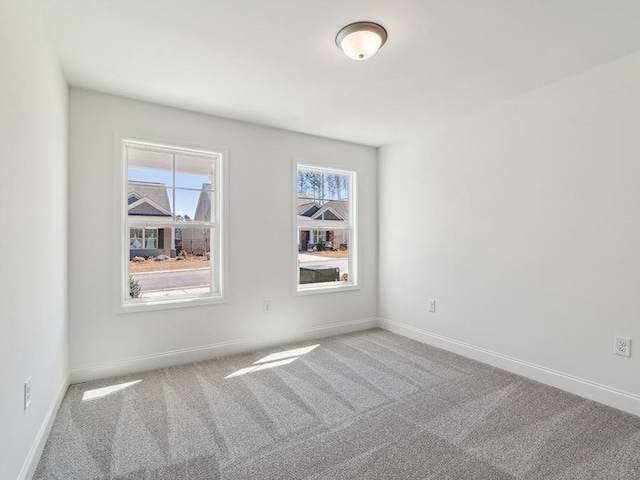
(155, 192)
(340, 207)
(203, 209)
(305, 204)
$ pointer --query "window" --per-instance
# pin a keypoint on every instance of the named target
(318, 237)
(150, 237)
(136, 238)
(171, 225)
(326, 219)
(143, 236)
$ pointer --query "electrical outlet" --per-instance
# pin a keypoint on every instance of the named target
(622, 346)
(432, 306)
(266, 306)
(27, 393)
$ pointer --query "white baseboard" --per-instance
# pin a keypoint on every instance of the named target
(613, 397)
(142, 363)
(33, 457)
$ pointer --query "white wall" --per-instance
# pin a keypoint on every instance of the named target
(261, 262)
(33, 208)
(523, 223)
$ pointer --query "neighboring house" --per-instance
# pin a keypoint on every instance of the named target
(320, 221)
(147, 200)
(306, 206)
(196, 240)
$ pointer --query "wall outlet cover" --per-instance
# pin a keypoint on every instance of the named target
(27, 393)
(432, 306)
(622, 346)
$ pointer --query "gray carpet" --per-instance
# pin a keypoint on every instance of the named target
(368, 405)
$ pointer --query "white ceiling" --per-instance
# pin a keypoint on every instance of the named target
(275, 63)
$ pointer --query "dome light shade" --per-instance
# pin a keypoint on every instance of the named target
(361, 40)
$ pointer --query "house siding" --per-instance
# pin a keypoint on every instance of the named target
(194, 241)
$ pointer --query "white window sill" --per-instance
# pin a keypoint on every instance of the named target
(154, 304)
(331, 287)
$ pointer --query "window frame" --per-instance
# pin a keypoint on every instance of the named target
(218, 241)
(143, 237)
(352, 229)
(318, 234)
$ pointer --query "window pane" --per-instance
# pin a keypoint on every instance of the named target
(194, 240)
(186, 271)
(195, 172)
(322, 187)
(307, 206)
(336, 187)
(324, 210)
(135, 238)
(144, 242)
(322, 200)
(310, 184)
(150, 238)
(194, 205)
(323, 256)
(150, 161)
(165, 185)
(157, 177)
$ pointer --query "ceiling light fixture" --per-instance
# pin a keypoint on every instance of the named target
(361, 40)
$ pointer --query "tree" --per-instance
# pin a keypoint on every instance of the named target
(310, 183)
(337, 185)
(323, 186)
(134, 287)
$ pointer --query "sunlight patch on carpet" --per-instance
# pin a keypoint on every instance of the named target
(296, 352)
(104, 391)
(263, 366)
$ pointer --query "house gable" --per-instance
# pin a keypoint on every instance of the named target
(308, 210)
(133, 197)
(306, 206)
(154, 193)
(328, 212)
(149, 208)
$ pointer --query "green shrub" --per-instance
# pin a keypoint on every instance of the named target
(134, 287)
(183, 253)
